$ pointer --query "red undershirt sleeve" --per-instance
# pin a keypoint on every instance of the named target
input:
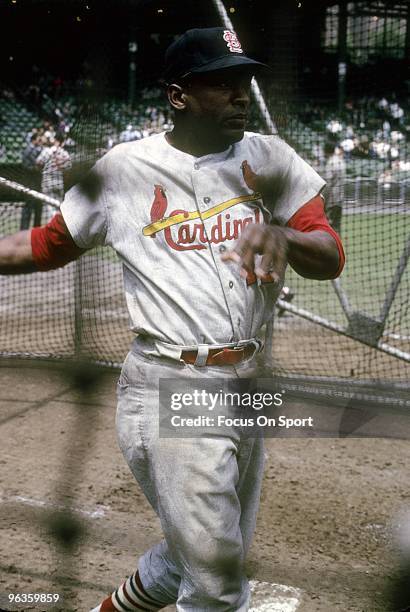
(52, 245)
(310, 217)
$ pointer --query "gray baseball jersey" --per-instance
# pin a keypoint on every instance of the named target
(170, 216)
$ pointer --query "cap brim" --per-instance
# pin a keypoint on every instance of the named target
(230, 61)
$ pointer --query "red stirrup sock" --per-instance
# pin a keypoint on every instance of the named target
(131, 597)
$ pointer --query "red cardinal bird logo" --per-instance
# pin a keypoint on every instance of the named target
(249, 176)
(159, 205)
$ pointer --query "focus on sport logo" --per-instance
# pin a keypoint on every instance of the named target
(232, 42)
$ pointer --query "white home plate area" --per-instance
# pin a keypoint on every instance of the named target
(267, 597)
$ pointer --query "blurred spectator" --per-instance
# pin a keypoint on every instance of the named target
(54, 160)
(348, 145)
(396, 137)
(386, 128)
(32, 207)
(363, 147)
(397, 171)
(350, 132)
(396, 112)
(130, 133)
(32, 151)
(335, 176)
(334, 126)
(370, 128)
(383, 104)
(318, 154)
(383, 150)
(48, 131)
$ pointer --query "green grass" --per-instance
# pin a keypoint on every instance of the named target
(373, 244)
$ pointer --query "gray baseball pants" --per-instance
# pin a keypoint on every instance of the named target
(205, 491)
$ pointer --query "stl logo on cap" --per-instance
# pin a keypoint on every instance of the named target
(232, 42)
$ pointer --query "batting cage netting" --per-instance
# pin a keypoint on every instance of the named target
(351, 331)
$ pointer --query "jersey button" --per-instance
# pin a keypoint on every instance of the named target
(222, 248)
(230, 284)
(207, 199)
(196, 166)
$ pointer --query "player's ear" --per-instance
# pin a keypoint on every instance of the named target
(176, 96)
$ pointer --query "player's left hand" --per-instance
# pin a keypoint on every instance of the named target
(268, 241)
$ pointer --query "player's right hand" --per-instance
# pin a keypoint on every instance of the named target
(267, 241)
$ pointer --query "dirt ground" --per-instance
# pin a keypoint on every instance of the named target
(328, 516)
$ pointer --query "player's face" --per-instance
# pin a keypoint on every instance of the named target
(218, 103)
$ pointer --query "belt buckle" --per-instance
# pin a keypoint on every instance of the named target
(254, 343)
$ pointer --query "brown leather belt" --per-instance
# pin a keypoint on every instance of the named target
(222, 356)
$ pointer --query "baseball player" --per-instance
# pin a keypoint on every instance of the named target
(54, 160)
(205, 219)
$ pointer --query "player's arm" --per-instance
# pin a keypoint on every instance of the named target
(308, 243)
(313, 254)
(316, 250)
(42, 248)
(16, 256)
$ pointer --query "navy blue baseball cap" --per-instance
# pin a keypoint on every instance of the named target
(203, 50)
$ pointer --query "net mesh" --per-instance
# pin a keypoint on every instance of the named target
(354, 329)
